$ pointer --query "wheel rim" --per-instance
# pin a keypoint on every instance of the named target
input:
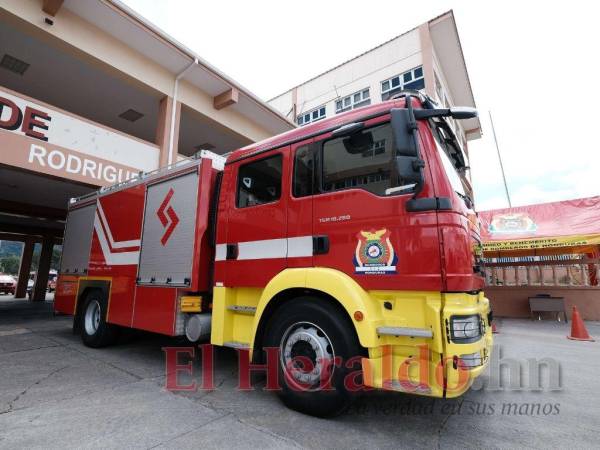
(92, 317)
(306, 342)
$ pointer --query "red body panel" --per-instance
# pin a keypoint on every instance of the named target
(114, 258)
(155, 309)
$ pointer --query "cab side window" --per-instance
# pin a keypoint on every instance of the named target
(259, 182)
(364, 160)
(303, 172)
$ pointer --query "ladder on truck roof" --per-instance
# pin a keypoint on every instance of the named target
(218, 163)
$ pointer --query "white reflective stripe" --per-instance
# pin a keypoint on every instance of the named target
(113, 259)
(221, 252)
(295, 247)
(267, 249)
(113, 244)
(301, 246)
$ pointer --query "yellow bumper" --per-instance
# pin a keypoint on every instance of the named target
(431, 366)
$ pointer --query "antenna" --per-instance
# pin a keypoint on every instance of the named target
(500, 159)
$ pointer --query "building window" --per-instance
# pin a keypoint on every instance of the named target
(356, 100)
(412, 79)
(311, 116)
(259, 182)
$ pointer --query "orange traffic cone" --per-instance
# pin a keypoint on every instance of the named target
(494, 329)
(578, 330)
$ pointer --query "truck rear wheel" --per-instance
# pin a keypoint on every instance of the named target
(95, 331)
(312, 336)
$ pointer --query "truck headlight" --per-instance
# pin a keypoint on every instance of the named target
(471, 360)
(465, 329)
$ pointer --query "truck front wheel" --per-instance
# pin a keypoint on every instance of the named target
(315, 341)
(95, 331)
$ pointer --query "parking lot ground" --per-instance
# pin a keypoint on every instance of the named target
(56, 393)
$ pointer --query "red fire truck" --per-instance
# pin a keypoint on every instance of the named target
(352, 240)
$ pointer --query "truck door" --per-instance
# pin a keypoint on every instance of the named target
(360, 213)
(256, 246)
(300, 205)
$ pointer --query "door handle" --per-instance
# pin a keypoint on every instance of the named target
(232, 251)
(320, 245)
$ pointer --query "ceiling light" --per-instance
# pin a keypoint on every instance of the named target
(14, 64)
(131, 114)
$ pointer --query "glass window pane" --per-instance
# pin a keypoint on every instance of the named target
(357, 98)
(338, 104)
(417, 84)
(300, 120)
(407, 77)
(365, 162)
(303, 172)
(322, 111)
(315, 114)
(347, 101)
(259, 182)
(395, 82)
(418, 72)
(385, 86)
(365, 94)
(306, 118)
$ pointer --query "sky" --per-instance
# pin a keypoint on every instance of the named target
(533, 64)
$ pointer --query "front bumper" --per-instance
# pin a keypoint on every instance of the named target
(433, 366)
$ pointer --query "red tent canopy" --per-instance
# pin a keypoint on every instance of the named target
(571, 226)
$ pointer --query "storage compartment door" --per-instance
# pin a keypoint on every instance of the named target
(168, 232)
(78, 240)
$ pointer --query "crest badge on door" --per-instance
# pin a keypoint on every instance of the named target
(374, 253)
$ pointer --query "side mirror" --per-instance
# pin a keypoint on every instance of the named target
(409, 165)
(403, 128)
(456, 112)
(358, 143)
(463, 112)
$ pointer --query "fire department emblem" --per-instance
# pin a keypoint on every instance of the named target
(512, 223)
(375, 253)
(167, 216)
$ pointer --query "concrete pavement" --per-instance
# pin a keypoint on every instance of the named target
(54, 392)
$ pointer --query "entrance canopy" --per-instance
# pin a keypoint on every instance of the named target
(566, 227)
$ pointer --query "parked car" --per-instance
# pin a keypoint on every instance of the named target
(52, 276)
(8, 284)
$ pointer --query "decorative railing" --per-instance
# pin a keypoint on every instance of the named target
(577, 272)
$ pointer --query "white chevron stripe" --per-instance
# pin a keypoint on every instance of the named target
(113, 259)
(113, 244)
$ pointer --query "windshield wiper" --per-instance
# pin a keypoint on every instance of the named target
(466, 199)
(451, 144)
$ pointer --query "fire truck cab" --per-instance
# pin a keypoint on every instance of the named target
(349, 245)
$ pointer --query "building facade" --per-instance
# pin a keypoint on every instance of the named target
(91, 94)
(428, 58)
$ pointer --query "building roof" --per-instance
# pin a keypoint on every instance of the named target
(126, 25)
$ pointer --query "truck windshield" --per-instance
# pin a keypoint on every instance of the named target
(453, 158)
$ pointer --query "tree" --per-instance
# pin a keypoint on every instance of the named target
(10, 264)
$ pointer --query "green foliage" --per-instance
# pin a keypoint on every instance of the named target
(10, 264)
(10, 257)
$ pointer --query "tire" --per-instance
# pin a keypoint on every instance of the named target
(95, 331)
(315, 329)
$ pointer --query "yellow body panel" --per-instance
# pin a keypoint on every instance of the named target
(389, 356)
